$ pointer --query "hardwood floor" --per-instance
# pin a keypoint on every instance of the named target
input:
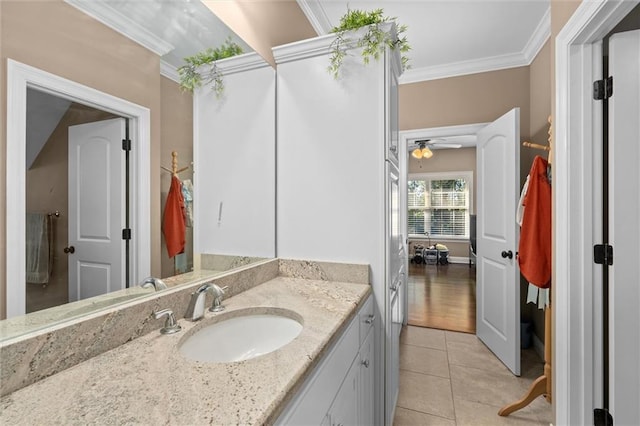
(442, 297)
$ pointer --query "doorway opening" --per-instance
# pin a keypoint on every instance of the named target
(20, 78)
(65, 196)
(441, 203)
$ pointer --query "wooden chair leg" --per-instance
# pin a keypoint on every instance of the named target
(538, 387)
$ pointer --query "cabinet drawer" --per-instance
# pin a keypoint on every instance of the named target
(366, 319)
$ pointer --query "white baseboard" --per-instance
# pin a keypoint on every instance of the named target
(538, 346)
(457, 259)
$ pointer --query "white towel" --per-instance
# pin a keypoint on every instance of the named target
(37, 248)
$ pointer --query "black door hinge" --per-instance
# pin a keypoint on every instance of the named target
(126, 144)
(603, 89)
(603, 254)
(126, 234)
(602, 417)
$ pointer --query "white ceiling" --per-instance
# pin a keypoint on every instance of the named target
(453, 37)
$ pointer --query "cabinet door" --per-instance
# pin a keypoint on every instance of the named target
(366, 383)
(344, 410)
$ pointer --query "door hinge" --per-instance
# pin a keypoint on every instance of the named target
(602, 417)
(603, 89)
(126, 144)
(603, 254)
(126, 234)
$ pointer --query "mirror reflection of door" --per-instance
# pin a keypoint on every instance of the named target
(48, 191)
(96, 208)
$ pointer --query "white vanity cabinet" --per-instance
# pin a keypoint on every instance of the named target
(337, 178)
(234, 161)
(340, 389)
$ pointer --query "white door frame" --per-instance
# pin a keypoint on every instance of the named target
(577, 203)
(19, 78)
(405, 138)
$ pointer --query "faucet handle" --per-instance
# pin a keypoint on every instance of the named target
(170, 324)
(218, 292)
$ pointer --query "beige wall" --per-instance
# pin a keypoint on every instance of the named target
(176, 124)
(448, 160)
(55, 37)
(561, 11)
(48, 191)
(264, 24)
(476, 98)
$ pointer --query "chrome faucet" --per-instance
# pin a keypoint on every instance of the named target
(195, 311)
(156, 283)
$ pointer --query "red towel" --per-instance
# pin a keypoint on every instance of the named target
(174, 221)
(534, 250)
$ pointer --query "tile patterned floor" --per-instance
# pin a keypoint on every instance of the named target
(450, 378)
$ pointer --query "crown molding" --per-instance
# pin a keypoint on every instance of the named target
(241, 63)
(303, 49)
(316, 15)
(539, 37)
(115, 20)
(169, 71)
(228, 66)
(321, 45)
(456, 69)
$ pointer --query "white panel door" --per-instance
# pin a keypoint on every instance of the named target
(624, 228)
(497, 279)
(96, 208)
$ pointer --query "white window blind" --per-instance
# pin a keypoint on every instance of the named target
(439, 205)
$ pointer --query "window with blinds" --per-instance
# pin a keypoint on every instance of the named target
(439, 205)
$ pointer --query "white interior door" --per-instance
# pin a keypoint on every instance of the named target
(624, 228)
(497, 279)
(96, 208)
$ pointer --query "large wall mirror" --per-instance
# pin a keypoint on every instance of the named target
(76, 87)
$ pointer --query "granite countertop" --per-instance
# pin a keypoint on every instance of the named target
(147, 381)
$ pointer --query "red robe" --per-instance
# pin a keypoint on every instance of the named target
(534, 250)
(174, 221)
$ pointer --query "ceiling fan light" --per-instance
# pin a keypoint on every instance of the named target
(427, 153)
(416, 153)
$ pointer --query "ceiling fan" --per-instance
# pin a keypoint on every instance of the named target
(423, 150)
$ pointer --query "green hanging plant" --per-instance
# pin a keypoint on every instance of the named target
(373, 42)
(190, 77)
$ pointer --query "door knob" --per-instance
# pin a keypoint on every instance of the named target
(70, 249)
(508, 254)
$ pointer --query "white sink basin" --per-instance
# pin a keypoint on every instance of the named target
(240, 338)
